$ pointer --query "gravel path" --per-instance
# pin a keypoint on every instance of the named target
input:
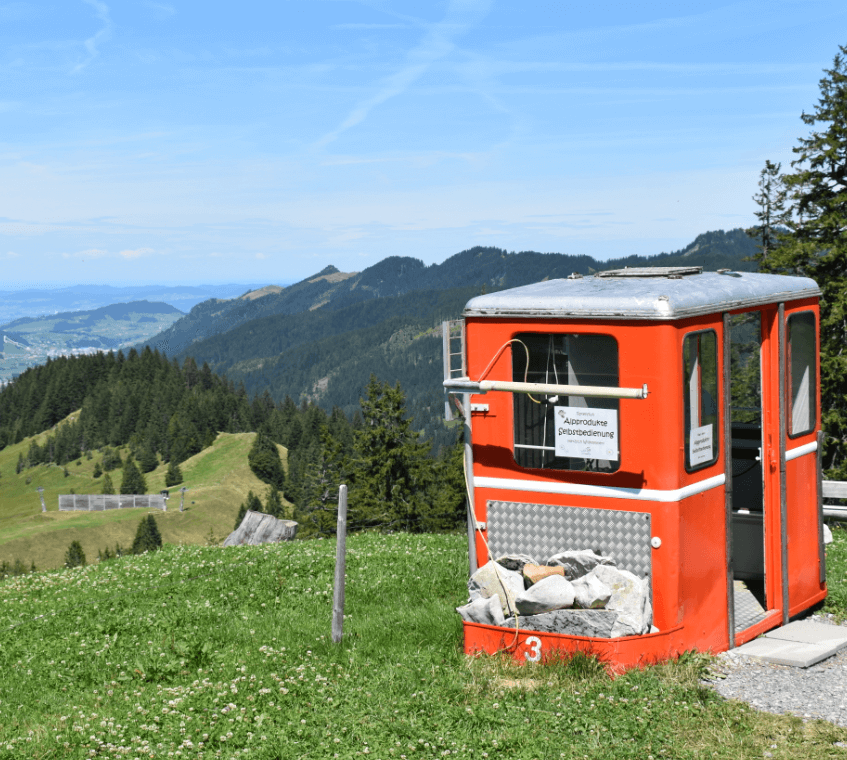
(816, 692)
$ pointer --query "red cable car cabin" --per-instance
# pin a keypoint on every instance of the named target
(664, 416)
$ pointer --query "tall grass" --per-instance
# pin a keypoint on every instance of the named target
(211, 652)
(836, 573)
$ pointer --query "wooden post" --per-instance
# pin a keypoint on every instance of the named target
(340, 566)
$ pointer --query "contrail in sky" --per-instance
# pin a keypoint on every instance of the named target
(436, 44)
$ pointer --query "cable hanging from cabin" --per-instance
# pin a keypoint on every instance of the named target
(497, 356)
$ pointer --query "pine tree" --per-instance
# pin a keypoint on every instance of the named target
(173, 475)
(74, 556)
(815, 245)
(98, 471)
(111, 459)
(108, 487)
(392, 471)
(264, 461)
(318, 506)
(448, 501)
(273, 503)
(147, 536)
(133, 481)
(148, 460)
(772, 214)
(254, 503)
(239, 518)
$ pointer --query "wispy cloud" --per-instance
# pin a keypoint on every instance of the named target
(437, 42)
(88, 253)
(101, 253)
(12, 255)
(371, 26)
(160, 10)
(101, 11)
(136, 253)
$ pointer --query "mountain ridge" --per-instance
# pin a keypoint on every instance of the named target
(480, 266)
(385, 320)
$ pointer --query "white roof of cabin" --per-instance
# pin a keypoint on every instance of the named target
(653, 293)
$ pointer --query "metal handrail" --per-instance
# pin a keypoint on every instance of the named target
(466, 385)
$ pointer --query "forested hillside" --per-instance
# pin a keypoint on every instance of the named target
(139, 399)
(488, 267)
(327, 354)
(163, 412)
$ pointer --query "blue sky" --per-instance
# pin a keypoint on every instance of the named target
(261, 141)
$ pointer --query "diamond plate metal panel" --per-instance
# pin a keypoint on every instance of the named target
(541, 530)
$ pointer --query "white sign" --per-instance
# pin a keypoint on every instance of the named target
(586, 433)
(700, 445)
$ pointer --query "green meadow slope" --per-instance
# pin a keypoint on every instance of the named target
(210, 652)
(218, 479)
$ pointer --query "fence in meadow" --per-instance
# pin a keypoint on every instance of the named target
(101, 502)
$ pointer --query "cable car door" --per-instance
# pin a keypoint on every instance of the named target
(754, 523)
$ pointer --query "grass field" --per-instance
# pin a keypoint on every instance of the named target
(218, 479)
(223, 653)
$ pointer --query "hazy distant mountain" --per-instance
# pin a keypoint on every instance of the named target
(35, 302)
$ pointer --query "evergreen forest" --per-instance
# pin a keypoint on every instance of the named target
(163, 411)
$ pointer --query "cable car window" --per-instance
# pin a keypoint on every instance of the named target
(566, 432)
(700, 397)
(802, 375)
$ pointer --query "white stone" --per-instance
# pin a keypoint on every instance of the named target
(550, 593)
(590, 593)
(630, 599)
(827, 534)
(494, 580)
(578, 563)
(515, 561)
(485, 611)
(597, 623)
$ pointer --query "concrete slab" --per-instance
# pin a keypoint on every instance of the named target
(780, 652)
(810, 632)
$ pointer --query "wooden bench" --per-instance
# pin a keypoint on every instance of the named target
(834, 489)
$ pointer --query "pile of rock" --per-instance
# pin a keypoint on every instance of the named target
(574, 592)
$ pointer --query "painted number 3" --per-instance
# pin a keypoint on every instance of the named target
(534, 645)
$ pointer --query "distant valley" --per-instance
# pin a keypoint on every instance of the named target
(29, 341)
